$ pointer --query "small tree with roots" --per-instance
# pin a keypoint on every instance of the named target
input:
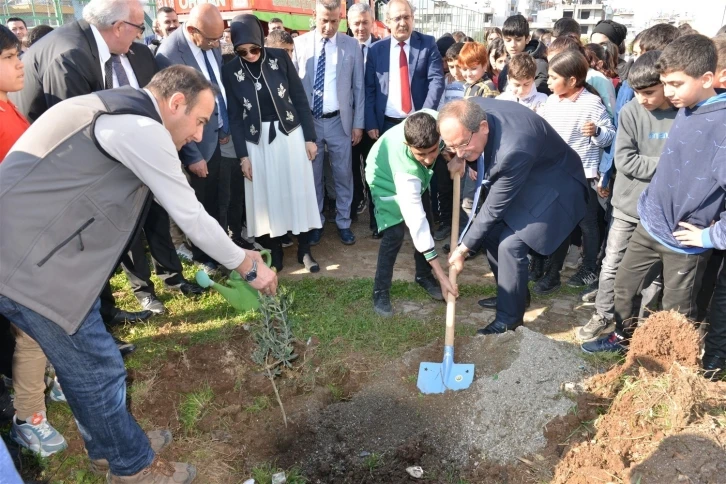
(274, 338)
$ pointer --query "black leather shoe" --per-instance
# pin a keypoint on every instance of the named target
(310, 264)
(431, 286)
(491, 302)
(151, 303)
(122, 317)
(243, 244)
(314, 236)
(187, 288)
(497, 327)
(124, 347)
(714, 367)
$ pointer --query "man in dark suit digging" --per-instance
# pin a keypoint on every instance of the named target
(535, 196)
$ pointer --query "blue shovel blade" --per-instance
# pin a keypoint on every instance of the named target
(439, 377)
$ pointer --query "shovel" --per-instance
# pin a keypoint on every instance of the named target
(447, 375)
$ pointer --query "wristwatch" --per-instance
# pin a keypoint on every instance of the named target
(252, 274)
(598, 130)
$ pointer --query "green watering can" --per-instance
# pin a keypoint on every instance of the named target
(237, 292)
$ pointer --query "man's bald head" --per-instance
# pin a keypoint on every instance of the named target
(205, 26)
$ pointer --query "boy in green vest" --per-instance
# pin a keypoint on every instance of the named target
(399, 168)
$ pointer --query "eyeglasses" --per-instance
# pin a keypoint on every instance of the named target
(252, 51)
(208, 40)
(453, 149)
(405, 18)
(141, 27)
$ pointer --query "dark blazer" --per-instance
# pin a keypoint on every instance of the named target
(286, 91)
(142, 62)
(536, 184)
(175, 50)
(425, 69)
(65, 64)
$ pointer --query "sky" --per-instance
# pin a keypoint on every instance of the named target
(708, 14)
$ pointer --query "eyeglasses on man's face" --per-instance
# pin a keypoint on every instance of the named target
(141, 27)
(209, 40)
(454, 149)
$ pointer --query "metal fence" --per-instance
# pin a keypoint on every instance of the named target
(55, 12)
(435, 17)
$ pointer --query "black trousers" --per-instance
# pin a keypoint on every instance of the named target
(231, 196)
(207, 191)
(360, 187)
(716, 334)
(507, 256)
(682, 275)
(274, 245)
(165, 259)
(445, 191)
(391, 243)
(708, 283)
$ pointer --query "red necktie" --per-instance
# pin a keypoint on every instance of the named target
(405, 83)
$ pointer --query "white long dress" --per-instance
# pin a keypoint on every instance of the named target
(281, 196)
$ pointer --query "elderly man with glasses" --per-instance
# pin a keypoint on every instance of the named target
(535, 196)
(197, 44)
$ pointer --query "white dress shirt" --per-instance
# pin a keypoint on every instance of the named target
(394, 107)
(146, 148)
(330, 93)
(104, 55)
(367, 43)
(199, 57)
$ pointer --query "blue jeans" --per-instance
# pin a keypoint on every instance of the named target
(92, 374)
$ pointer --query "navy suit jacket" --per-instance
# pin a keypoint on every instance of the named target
(536, 183)
(173, 51)
(425, 70)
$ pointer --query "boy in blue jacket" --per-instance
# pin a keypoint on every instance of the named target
(681, 211)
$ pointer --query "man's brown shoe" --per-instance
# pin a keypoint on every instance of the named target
(159, 472)
(158, 439)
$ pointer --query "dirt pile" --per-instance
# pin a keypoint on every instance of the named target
(654, 429)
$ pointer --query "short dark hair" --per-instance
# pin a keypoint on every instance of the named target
(16, 19)
(38, 32)
(538, 33)
(275, 20)
(658, 37)
(720, 42)
(521, 67)
(693, 54)
(643, 73)
(466, 111)
(8, 40)
(563, 43)
(515, 26)
(566, 26)
(179, 78)
(420, 131)
(452, 53)
(165, 10)
(278, 37)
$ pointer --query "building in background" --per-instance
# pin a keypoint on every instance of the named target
(587, 13)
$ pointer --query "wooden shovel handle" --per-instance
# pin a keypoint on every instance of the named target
(451, 302)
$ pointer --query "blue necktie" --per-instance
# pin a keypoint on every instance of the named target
(220, 98)
(480, 167)
(123, 79)
(319, 86)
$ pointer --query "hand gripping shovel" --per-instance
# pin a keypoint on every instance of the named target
(439, 377)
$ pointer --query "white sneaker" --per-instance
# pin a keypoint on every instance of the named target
(184, 253)
(38, 435)
(56, 392)
(573, 259)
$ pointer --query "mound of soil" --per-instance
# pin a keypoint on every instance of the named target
(653, 430)
(665, 338)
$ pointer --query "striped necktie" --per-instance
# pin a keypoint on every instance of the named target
(319, 86)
